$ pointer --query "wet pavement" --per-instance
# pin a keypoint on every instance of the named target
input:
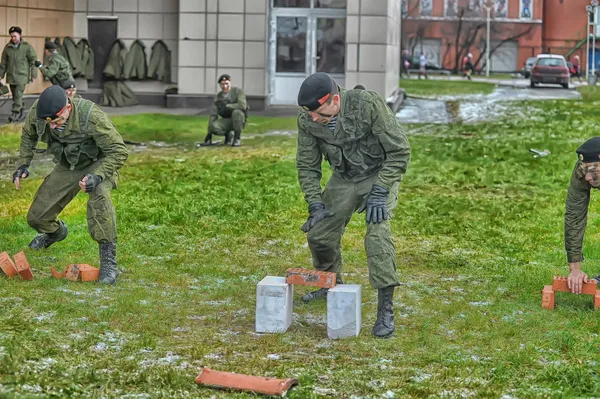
(479, 107)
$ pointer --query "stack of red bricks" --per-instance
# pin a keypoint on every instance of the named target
(560, 284)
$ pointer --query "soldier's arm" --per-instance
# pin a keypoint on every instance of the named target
(308, 164)
(214, 112)
(241, 103)
(29, 137)
(3, 63)
(391, 136)
(50, 70)
(109, 141)
(578, 200)
(31, 57)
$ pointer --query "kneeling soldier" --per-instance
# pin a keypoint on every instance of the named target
(88, 151)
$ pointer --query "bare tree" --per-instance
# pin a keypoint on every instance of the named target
(514, 36)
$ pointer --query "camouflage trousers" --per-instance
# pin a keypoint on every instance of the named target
(343, 198)
(58, 190)
(17, 95)
(222, 126)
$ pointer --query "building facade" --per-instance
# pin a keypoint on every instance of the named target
(267, 46)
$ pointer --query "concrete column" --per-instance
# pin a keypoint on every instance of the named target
(344, 305)
(274, 305)
(373, 45)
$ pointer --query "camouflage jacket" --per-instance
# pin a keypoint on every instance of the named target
(88, 136)
(223, 105)
(18, 63)
(58, 69)
(578, 200)
(367, 140)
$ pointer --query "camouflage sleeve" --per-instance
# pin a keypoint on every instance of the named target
(29, 137)
(241, 103)
(578, 199)
(109, 141)
(391, 136)
(50, 70)
(3, 63)
(31, 57)
(214, 112)
(308, 164)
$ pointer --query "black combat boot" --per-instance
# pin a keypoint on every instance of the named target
(321, 292)
(228, 137)
(236, 139)
(44, 240)
(108, 263)
(14, 117)
(384, 326)
(207, 141)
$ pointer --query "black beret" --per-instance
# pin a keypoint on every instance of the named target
(360, 87)
(69, 84)
(223, 77)
(590, 150)
(50, 46)
(51, 102)
(315, 91)
(15, 29)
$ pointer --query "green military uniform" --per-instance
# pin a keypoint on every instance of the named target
(89, 143)
(58, 69)
(229, 113)
(367, 147)
(18, 63)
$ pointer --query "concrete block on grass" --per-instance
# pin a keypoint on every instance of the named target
(274, 305)
(344, 306)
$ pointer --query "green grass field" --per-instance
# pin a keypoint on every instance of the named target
(438, 87)
(478, 231)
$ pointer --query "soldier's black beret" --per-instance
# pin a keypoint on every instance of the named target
(590, 150)
(51, 102)
(315, 91)
(223, 77)
(15, 29)
(360, 87)
(50, 45)
(69, 84)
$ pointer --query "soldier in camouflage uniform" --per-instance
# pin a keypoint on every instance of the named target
(586, 176)
(58, 69)
(18, 63)
(70, 87)
(361, 139)
(88, 151)
(231, 106)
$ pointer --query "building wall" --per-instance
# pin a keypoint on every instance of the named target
(373, 44)
(146, 20)
(223, 36)
(38, 19)
(565, 26)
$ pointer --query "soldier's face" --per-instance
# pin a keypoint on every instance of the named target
(225, 85)
(15, 37)
(62, 117)
(327, 111)
(592, 173)
(71, 92)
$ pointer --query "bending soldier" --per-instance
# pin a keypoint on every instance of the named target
(88, 151)
(58, 69)
(229, 113)
(18, 63)
(359, 136)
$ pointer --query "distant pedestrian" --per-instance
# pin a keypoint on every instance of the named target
(469, 68)
(576, 71)
(406, 62)
(423, 66)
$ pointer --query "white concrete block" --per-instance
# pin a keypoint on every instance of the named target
(344, 306)
(274, 305)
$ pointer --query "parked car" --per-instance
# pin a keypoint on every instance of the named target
(526, 71)
(550, 68)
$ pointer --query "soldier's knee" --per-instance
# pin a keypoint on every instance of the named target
(238, 117)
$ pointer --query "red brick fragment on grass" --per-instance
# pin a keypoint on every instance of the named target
(74, 272)
(548, 297)
(23, 267)
(243, 382)
(7, 265)
(310, 277)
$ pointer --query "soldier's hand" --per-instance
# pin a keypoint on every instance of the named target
(576, 278)
(89, 182)
(376, 205)
(317, 213)
(22, 172)
(38, 63)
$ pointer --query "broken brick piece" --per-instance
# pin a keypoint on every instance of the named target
(88, 273)
(548, 297)
(56, 274)
(23, 267)
(310, 277)
(561, 284)
(72, 272)
(7, 265)
(243, 382)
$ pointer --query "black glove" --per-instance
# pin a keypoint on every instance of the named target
(91, 182)
(38, 63)
(317, 213)
(21, 170)
(375, 204)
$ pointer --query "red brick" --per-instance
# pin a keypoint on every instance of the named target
(7, 265)
(548, 297)
(56, 274)
(561, 284)
(75, 272)
(310, 277)
(88, 273)
(242, 382)
(23, 266)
